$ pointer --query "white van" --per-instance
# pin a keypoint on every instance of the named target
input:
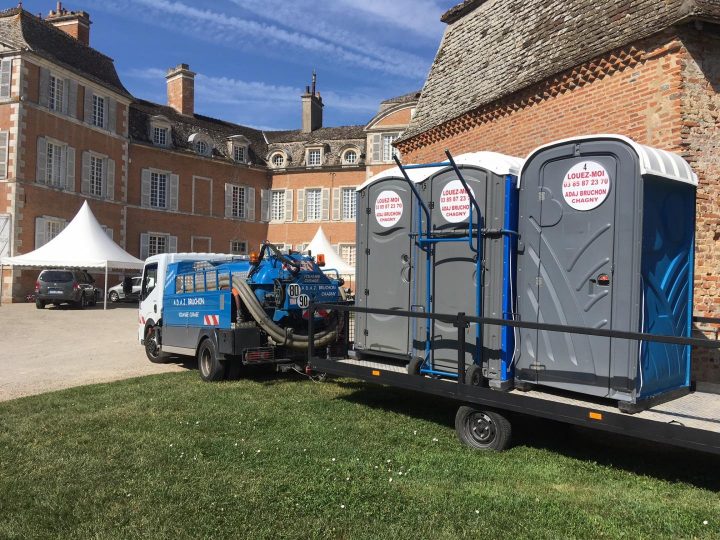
(151, 294)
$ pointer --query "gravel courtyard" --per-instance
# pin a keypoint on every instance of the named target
(51, 349)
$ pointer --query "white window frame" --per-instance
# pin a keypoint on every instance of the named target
(156, 130)
(345, 160)
(350, 246)
(317, 207)
(243, 247)
(202, 147)
(312, 151)
(277, 210)
(98, 115)
(97, 176)
(239, 199)
(56, 90)
(154, 237)
(53, 169)
(388, 150)
(158, 178)
(280, 155)
(351, 213)
(240, 152)
(53, 227)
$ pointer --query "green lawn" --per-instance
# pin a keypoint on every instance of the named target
(172, 457)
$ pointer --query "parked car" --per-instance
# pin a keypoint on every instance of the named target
(65, 286)
(118, 292)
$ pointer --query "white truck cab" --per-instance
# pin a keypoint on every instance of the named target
(153, 281)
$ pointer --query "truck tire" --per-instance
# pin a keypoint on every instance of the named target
(209, 364)
(152, 346)
(482, 429)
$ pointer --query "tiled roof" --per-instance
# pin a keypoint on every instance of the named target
(405, 98)
(22, 30)
(501, 46)
(319, 135)
(183, 126)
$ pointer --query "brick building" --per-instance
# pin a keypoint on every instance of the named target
(510, 76)
(160, 177)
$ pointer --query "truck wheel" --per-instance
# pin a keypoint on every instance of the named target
(39, 304)
(209, 365)
(152, 346)
(482, 429)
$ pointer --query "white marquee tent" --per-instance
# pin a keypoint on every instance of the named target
(321, 244)
(82, 244)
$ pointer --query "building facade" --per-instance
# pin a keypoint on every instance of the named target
(647, 70)
(160, 177)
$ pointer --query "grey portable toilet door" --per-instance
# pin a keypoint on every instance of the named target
(575, 253)
(388, 265)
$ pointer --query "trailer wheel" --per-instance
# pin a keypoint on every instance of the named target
(413, 367)
(474, 376)
(152, 346)
(209, 364)
(482, 429)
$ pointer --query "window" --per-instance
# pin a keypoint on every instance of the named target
(278, 160)
(148, 280)
(96, 176)
(238, 247)
(239, 153)
(55, 93)
(238, 202)
(349, 203)
(160, 136)
(277, 206)
(53, 228)
(158, 190)
(313, 202)
(387, 149)
(202, 148)
(347, 253)
(98, 118)
(156, 244)
(53, 171)
(314, 158)
(350, 157)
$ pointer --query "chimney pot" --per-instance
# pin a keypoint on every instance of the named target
(181, 89)
(74, 23)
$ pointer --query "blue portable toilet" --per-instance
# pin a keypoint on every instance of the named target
(607, 231)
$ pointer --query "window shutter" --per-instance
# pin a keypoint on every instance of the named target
(41, 160)
(85, 180)
(39, 232)
(265, 196)
(71, 87)
(63, 166)
(70, 171)
(301, 205)
(228, 201)
(145, 188)
(110, 179)
(112, 115)
(5, 77)
(250, 203)
(87, 116)
(337, 204)
(376, 148)
(288, 205)
(144, 245)
(174, 189)
(325, 216)
(3, 154)
(172, 244)
(66, 96)
(44, 94)
(4, 236)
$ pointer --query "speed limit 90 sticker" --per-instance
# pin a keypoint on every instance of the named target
(586, 185)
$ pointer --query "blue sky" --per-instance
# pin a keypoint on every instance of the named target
(254, 57)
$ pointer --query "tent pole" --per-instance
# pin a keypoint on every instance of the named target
(105, 292)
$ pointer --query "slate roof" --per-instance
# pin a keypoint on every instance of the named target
(497, 47)
(405, 98)
(22, 30)
(183, 126)
(319, 135)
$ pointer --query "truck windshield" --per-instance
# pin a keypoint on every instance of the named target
(149, 279)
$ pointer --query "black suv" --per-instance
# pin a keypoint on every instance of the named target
(74, 287)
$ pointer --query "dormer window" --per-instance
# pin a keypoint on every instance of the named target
(278, 160)
(202, 148)
(314, 157)
(238, 148)
(160, 131)
(160, 136)
(239, 153)
(201, 143)
(350, 156)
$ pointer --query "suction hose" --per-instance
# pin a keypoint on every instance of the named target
(278, 334)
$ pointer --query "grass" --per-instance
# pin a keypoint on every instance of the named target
(172, 457)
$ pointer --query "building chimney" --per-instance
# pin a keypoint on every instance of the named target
(73, 23)
(312, 108)
(181, 89)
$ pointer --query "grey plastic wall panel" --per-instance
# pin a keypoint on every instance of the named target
(563, 252)
(385, 272)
